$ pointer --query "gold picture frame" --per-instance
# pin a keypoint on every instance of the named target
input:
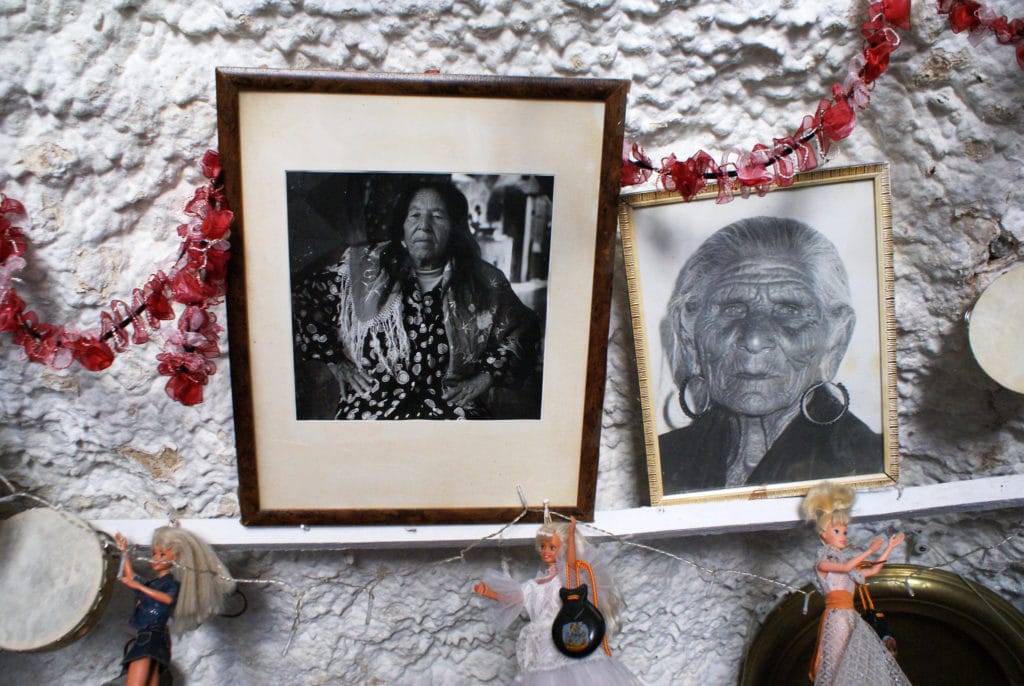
(765, 430)
(318, 135)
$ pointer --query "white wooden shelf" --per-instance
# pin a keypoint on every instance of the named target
(642, 522)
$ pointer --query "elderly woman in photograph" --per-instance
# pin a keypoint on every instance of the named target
(419, 327)
(759, 320)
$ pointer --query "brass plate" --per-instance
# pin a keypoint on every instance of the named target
(951, 631)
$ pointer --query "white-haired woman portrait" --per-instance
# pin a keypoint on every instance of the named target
(760, 318)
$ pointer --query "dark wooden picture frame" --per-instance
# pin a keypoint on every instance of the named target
(565, 132)
(806, 273)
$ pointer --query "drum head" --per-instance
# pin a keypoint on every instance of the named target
(997, 327)
(53, 575)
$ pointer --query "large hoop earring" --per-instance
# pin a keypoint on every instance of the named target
(698, 387)
(808, 396)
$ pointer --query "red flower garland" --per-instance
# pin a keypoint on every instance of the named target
(967, 15)
(197, 280)
(765, 166)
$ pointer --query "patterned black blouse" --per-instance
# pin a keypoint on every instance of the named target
(414, 388)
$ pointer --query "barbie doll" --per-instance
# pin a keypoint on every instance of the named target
(540, 662)
(848, 649)
(190, 584)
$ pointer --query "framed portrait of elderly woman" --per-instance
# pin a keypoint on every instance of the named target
(764, 334)
(419, 292)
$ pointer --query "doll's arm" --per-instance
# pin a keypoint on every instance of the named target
(875, 566)
(128, 577)
(826, 566)
(483, 589)
(570, 553)
(158, 596)
(122, 545)
(894, 541)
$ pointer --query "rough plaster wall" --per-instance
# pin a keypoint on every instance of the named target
(106, 106)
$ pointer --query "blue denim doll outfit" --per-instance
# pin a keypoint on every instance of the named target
(150, 618)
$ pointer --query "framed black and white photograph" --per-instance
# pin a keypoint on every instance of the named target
(418, 296)
(419, 291)
(764, 334)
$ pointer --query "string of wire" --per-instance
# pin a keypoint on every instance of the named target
(299, 594)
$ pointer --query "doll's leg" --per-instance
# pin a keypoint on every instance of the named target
(139, 672)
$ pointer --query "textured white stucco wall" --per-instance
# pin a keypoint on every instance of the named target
(107, 105)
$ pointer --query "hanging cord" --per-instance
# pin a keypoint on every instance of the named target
(574, 572)
(865, 597)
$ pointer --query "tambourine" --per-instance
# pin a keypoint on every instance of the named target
(56, 578)
(579, 627)
(996, 328)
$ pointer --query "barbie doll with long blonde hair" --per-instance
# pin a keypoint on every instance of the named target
(848, 649)
(189, 587)
(540, 663)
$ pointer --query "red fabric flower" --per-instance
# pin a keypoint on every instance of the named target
(189, 372)
(964, 16)
(199, 205)
(726, 186)
(158, 307)
(876, 61)
(11, 307)
(752, 168)
(875, 24)
(216, 224)
(686, 177)
(783, 153)
(633, 173)
(806, 157)
(12, 240)
(92, 354)
(209, 262)
(125, 315)
(217, 265)
(1000, 26)
(837, 117)
(189, 289)
(10, 206)
(211, 165)
(198, 332)
(897, 13)
(40, 341)
(110, 330)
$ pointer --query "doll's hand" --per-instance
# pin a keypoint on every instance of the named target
(876, 545)
(122, 542)
(483, 589)
(894, 541)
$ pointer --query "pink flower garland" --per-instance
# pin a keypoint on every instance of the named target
(775, 165)
(197, 280)
(967, 15)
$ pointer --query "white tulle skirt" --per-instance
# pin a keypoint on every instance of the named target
(596, 670)
(540, 663)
